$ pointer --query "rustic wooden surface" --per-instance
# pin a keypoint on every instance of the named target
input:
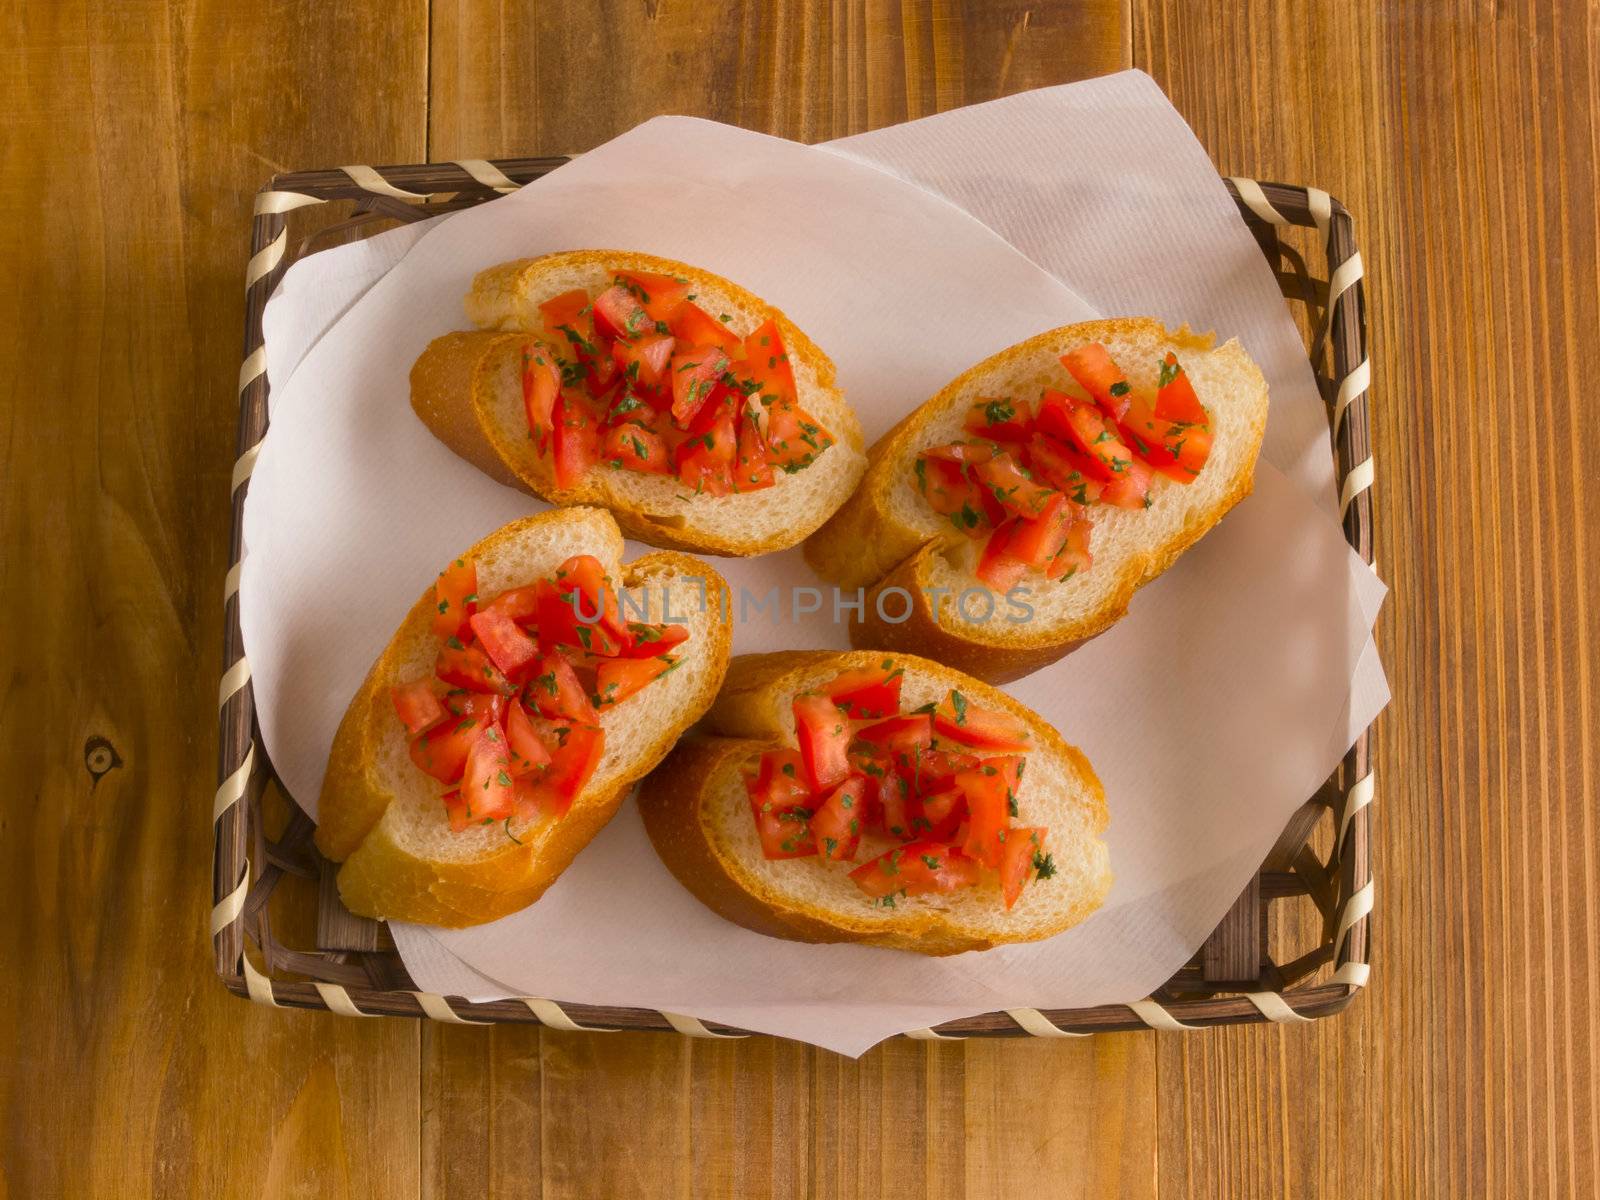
(1462, 135)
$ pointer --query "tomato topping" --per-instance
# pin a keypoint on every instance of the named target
(1063, 468)
(456, 809)
(963, 453)
(528, 751)
(646, 361)
(455, 597)
(930, 770)
(1037, 541)
(778, 799)
(442, 750)
(916, 869)
(942, 812)
(661, 295)
(990, 789)
(794, 437)
(894, 798)
(900, 733)
(417, 705)
(693, 326)
(997, 566)
(1128, 489)
(571, 764)
(650, 640)
(469, 667)
(636, 448)
(824, 736)
(836, 825)
(1096, 374)
(983, 728)
(577, 444)
(618, 314)
(1013, 487)
(541, 384)
(520, 604)
(766, 361)
(572, 616)
(1175, 396)
(949, 490)
(504, 642)
(584, 574)
(485, 707)
(487, 785)
(1074, 554)
(1023, 848)
(705, 460)
(568, 321)
(555, 691)
(695, 374)
(867, 691)
(618, 678)
(752, 471)
(1001, 420)
(1088, 431)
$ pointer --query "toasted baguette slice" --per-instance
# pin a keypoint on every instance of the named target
(697, 812)
(382, 817)
(467, 388)
(887, 536)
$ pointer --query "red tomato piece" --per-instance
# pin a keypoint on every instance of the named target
(695, 373)
(824, 735)
(928, 771)
(965, 454)
(705, 461)
(752, 471)
(520, 604)
(1128, 489)
(645, 361)
(693, 326)
(895, 803)
(951, 493)
(1074, 554)
(1087, 431)
(983, 728)
(456, 809)
(1001, 420)
(487, 786)
(455, 597)
(940, 814)
(916, 869)
(469, 667)
(442, 750)
(1176, 449)
(836, 825)
(766, 361)
(417, 705)
(1063, 468)
(618, 678)
(1175, 396)
(906, 732)
(794, 438)
(661, 295)
(1012, 487)
(637, 449)
(577, 440)
(568, 319)
(1097, 374)
(570, 616)
(503, 641)
(541, 384)
(997, 566)
(556, 692)
(1022, 845)
(867, 691)
(1036, 542)
(585, 574)
(778, 801)
(528, 751)
(603, 373)
(484, 707)
(618, 314)
(990, 788)
(572, 763)
(650, 640)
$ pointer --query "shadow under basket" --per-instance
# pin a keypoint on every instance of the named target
(1292, 948)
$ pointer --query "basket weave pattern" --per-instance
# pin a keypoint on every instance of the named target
(354, 969)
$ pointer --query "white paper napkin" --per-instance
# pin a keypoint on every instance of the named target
(1270, 601)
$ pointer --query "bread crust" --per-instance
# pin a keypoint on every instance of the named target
(452, 392)
(746, 720)
(380, 877)
(866, 545)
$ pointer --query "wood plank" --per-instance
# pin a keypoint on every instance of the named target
(1463, 137)
(135, 135)
(762, 1117)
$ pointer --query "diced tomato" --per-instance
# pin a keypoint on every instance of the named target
(836, 825)
(766, 360)
(695, 373)
(1087, 430)
(824, 736)
(442, 750)
(940, 813)
(417, 705)
(950, 492)
(867, 691)
(1001, 420)
(603, 374)
(933, 770)
(618, 314)
(997, 566)
(560, 623)
(705, 461)
(989, 788)
(1097, 374)
(895, 802)
(900, 733)
(645, 361)
(778, 801)
(541, 384)
(577, 441)
(572, 763)
(963, 453)
(469, 667)
(618, 678)
(455, 597)
(1036, 542)
(1012, 487)
(487, 787)
(556, 692)
(916, 869)
(650, 640)
(520, 604)
(637, 449)
(585, 574)
(1074, 554)
(528, 751)
(1174, 447)
(569, 322)
(1175, 397)
(1128, 489)
(1063, 468)
(661, 295)
(693, 326)
(484, 707)
(1016, 860)
(983, 728)
(752, 471)
(503, 641)
(794, 437)
(456, 809)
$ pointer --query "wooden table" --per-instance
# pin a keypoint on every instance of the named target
(1462, 135)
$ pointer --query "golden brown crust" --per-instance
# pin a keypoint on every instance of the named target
(452, 394)
(746, 720)
(865, 545)
(383, 879)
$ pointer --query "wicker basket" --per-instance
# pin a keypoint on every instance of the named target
(352, 967)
